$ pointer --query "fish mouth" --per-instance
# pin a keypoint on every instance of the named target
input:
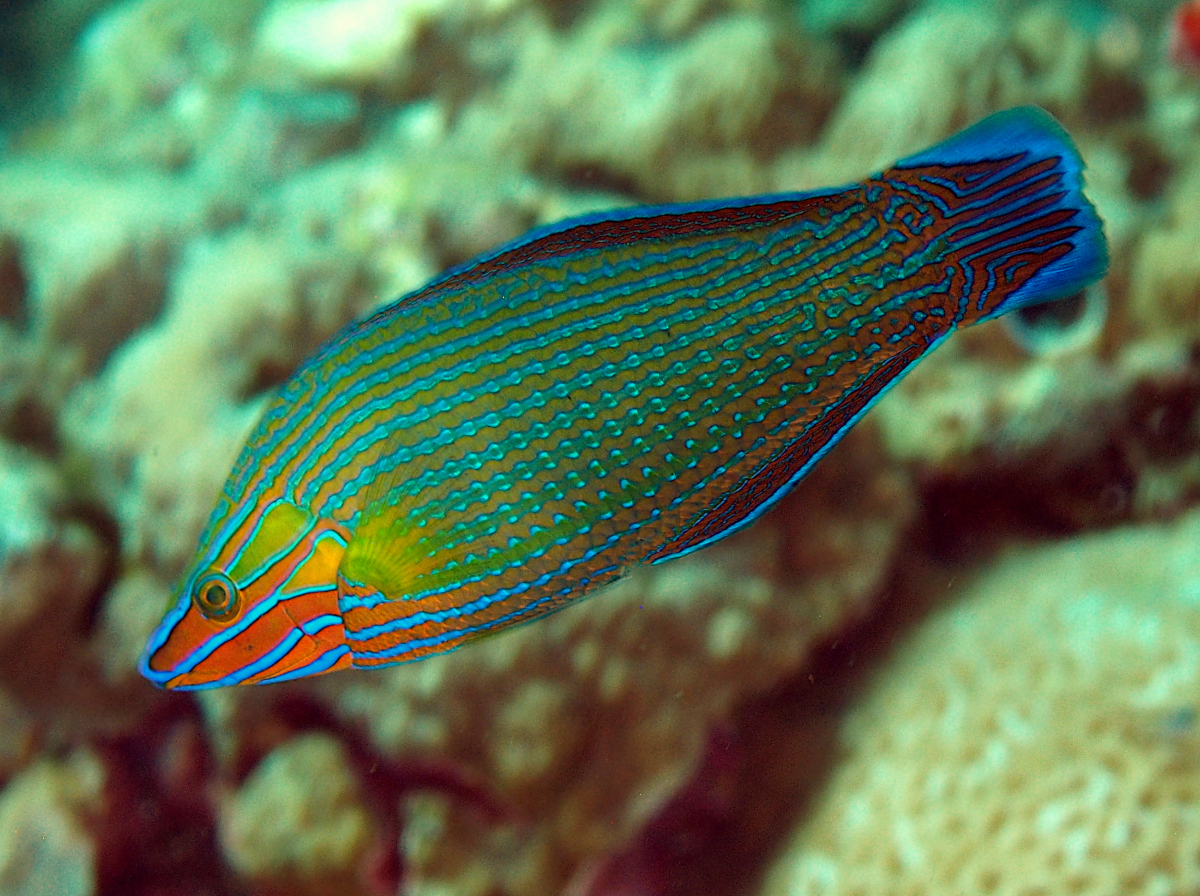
(174, 680)
(314, 659)
(189, 682)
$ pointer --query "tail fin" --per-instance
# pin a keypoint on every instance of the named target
(1016, 219)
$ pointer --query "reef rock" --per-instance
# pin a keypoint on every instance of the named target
(45, 849)
(298, 820)
(1039, 734)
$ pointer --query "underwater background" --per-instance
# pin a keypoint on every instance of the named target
(962, 657)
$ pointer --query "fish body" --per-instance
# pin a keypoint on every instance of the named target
(603, 393)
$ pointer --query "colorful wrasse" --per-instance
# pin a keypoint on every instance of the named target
(606, 392)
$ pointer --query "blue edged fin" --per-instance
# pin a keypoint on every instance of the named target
(1033, 134)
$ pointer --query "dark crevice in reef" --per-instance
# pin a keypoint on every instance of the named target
(564, 14)
(600, 179)
(1165, 416)
(157, 833)
(25, 418)
(1056, 491)
(267, 375)
(1150, 170)
(856, 41)
(968, 515)
(34, 79)
(26, 421)
(14, 285)
(98, 520)
(17, 56)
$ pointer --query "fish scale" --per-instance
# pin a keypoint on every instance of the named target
(604, 393)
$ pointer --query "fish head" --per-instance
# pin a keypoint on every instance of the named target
(258, 605)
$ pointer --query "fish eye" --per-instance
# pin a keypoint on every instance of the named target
(216, 597)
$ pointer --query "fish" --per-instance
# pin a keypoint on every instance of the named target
(604, 393)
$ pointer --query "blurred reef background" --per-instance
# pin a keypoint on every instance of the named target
(963, 657)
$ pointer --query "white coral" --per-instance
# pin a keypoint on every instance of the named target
(1038, 735)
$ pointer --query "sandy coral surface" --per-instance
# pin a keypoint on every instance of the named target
(968, 637)
(1037, 734)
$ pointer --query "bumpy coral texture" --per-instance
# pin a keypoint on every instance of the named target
(299, 807)
(1038, 736)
